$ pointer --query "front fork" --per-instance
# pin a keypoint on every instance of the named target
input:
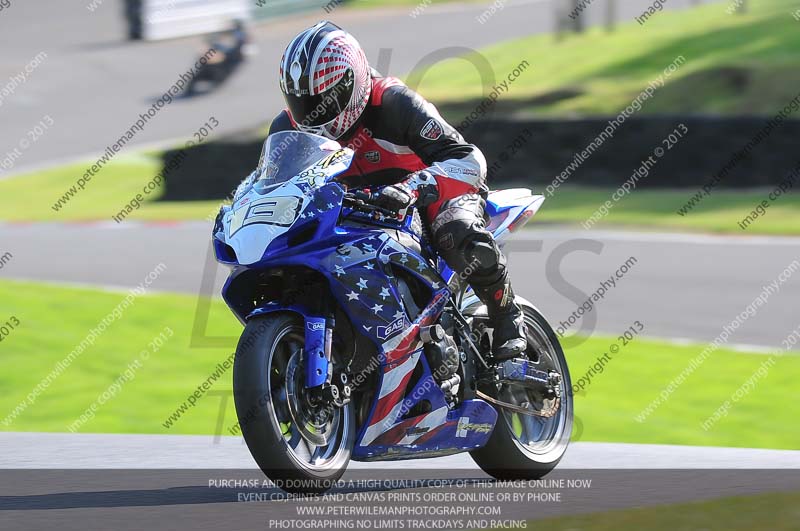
(319, 369)
(318, 364)
(319, 377)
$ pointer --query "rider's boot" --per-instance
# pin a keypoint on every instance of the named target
(505, 316)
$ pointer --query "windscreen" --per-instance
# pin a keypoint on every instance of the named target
(288, 153)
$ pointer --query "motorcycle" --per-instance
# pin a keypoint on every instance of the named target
(360, 343)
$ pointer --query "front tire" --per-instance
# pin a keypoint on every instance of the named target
(299, 447)
(522, 447)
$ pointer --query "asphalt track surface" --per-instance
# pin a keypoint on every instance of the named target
(169, 482)
(93, 84)
(681, 286)
(163, 452)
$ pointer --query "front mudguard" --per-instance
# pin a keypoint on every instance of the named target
(317, 348)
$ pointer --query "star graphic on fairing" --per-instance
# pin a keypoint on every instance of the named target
(399, 314)
(369, 265)
(352, 296)
(339, 270)
(384, 293)
(362, 284)
(377, 308)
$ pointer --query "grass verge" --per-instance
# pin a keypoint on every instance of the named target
(656, 209)
(779, 512)
(54, 320)
(735, 64)
(30, 197)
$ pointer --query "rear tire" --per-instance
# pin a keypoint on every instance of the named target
(506, 456)
(265, 369)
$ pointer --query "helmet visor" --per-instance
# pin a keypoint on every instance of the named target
(319, 109)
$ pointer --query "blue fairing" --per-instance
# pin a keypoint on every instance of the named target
(360, 263)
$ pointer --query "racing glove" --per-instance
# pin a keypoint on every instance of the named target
(419, 187)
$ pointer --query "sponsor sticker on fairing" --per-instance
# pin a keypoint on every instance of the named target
(393, 328)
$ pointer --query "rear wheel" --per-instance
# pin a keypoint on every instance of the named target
(523, 446)
(299, 443)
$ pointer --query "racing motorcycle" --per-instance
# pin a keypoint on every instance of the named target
(360, 343)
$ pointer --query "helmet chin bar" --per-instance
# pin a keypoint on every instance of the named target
(321, 130)
(314, 130)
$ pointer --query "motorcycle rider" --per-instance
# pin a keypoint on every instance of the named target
(402, 143)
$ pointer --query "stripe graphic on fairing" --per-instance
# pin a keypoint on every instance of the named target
(424, 438)
(395, 394)
(377, 428)
(394, 377)
(393, 386)
(431, 421)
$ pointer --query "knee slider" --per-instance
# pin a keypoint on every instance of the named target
(481, 253)
(484, 259)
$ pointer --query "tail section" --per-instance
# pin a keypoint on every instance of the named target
(509, 210)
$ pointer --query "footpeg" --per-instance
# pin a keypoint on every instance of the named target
(520, 371)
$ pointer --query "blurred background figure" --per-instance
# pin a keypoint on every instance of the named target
(231, 47)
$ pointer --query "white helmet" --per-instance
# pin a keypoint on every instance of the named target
(325, 80)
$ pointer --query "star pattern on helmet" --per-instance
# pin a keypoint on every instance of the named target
(369, 265)
(377, 308)
(399, 314)
(362, 284)
(384, 293)
(339, 270)
(352, 296)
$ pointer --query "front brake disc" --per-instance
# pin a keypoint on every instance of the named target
(317, 424)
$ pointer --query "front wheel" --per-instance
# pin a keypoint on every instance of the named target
(523, 446)
(300, 444)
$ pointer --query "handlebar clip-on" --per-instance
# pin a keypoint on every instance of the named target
(363, 201)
